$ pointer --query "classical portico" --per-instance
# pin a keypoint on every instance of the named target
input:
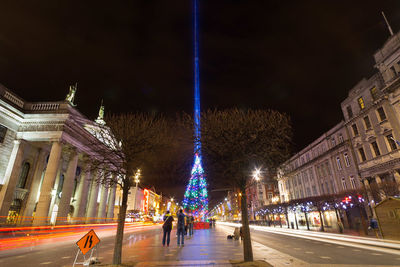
(45, 175)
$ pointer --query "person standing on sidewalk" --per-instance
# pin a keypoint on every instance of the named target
(167, 227)
(191, 221)
(181, 228)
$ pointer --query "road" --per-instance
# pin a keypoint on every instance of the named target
(60, 249)
(318, 252)
(143, 243)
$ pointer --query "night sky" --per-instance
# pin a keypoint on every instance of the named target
(300, 57)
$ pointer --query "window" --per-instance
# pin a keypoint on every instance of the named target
(314, 189)
(374, 93)
(381, 113)
(3, 131)
(352, 182)
(328, 169)
(24, 175)
(392, 142)
(346, 159)
(361, 103)
(355, 129)
(367, 122)
(349, 112)
(344, 184)
(333, 187)
(311, 174)
(339, 164)
(393, 70)
(375, 148)
(362, 154)
(322, 189)
(269, 195)
(308, 192)
(333, 140)
(340, 138)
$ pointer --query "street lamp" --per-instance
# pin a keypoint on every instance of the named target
(137, 180)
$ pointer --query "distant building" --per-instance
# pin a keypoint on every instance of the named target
(44, 177)
(324, 167)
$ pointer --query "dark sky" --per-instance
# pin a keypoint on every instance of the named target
(300, 57)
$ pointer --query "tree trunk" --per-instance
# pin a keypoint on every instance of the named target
(247, 249)
(295, 219)
(363, 219)
(308, 225)
(280, 220)
(287, 218)
(339, 221)
(322, 221)
(120, 228)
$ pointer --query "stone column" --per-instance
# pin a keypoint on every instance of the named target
(378, 181)
(68, 187)
(92, 206)
(396, 176)
(11, 178)
(82, 195)
(34, 189)
(103, 202)
(111, 203)
(42, 208)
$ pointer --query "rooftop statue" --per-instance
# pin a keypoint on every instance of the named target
(71, 95)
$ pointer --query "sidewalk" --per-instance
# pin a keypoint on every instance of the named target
(206, 247)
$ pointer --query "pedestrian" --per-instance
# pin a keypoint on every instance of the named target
(373, 224)
(191, 221)
(167, 227)
(181, 228)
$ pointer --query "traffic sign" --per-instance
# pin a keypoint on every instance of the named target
(88, 241)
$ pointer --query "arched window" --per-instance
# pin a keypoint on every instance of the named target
(24, 175)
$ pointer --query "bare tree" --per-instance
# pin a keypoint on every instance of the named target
(234, 142)
(126, 142)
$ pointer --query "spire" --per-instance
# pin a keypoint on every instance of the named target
(387, 24)
(71, 95)
(100, 118)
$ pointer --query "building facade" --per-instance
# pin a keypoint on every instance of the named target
(325, 167)
(372, 117)
(45, 177)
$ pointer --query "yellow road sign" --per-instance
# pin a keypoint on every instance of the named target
(88, 241)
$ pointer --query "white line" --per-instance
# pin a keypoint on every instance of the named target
(66, 257)
(309, 252)
(325, 257)
(47, 262)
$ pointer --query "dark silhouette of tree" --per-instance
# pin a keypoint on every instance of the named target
(234, 142)
(127, 142)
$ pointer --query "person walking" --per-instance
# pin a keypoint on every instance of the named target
(167, 227)
(191, 221)
(181, 228)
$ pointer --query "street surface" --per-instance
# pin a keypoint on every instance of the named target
(142, 244)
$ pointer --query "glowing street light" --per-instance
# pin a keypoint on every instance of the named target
(256, 174)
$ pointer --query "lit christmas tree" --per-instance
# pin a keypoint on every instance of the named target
(196, 196)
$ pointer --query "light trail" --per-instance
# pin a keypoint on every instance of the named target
(19, 237)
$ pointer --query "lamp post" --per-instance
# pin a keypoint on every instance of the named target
(137, 180)
(256, 176)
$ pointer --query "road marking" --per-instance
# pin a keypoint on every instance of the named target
(297, 248)
(66, 257)
(356, 250)
(47, 262)
(340, 247)
(376, 254)
(21, 256)
(309, 252)
(325, 257)
(203, 254)
(169, 255)
(327, 245)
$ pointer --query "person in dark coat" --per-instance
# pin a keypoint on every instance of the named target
(181, 228)
(167, 227)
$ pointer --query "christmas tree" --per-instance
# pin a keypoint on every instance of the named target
(196, 196)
